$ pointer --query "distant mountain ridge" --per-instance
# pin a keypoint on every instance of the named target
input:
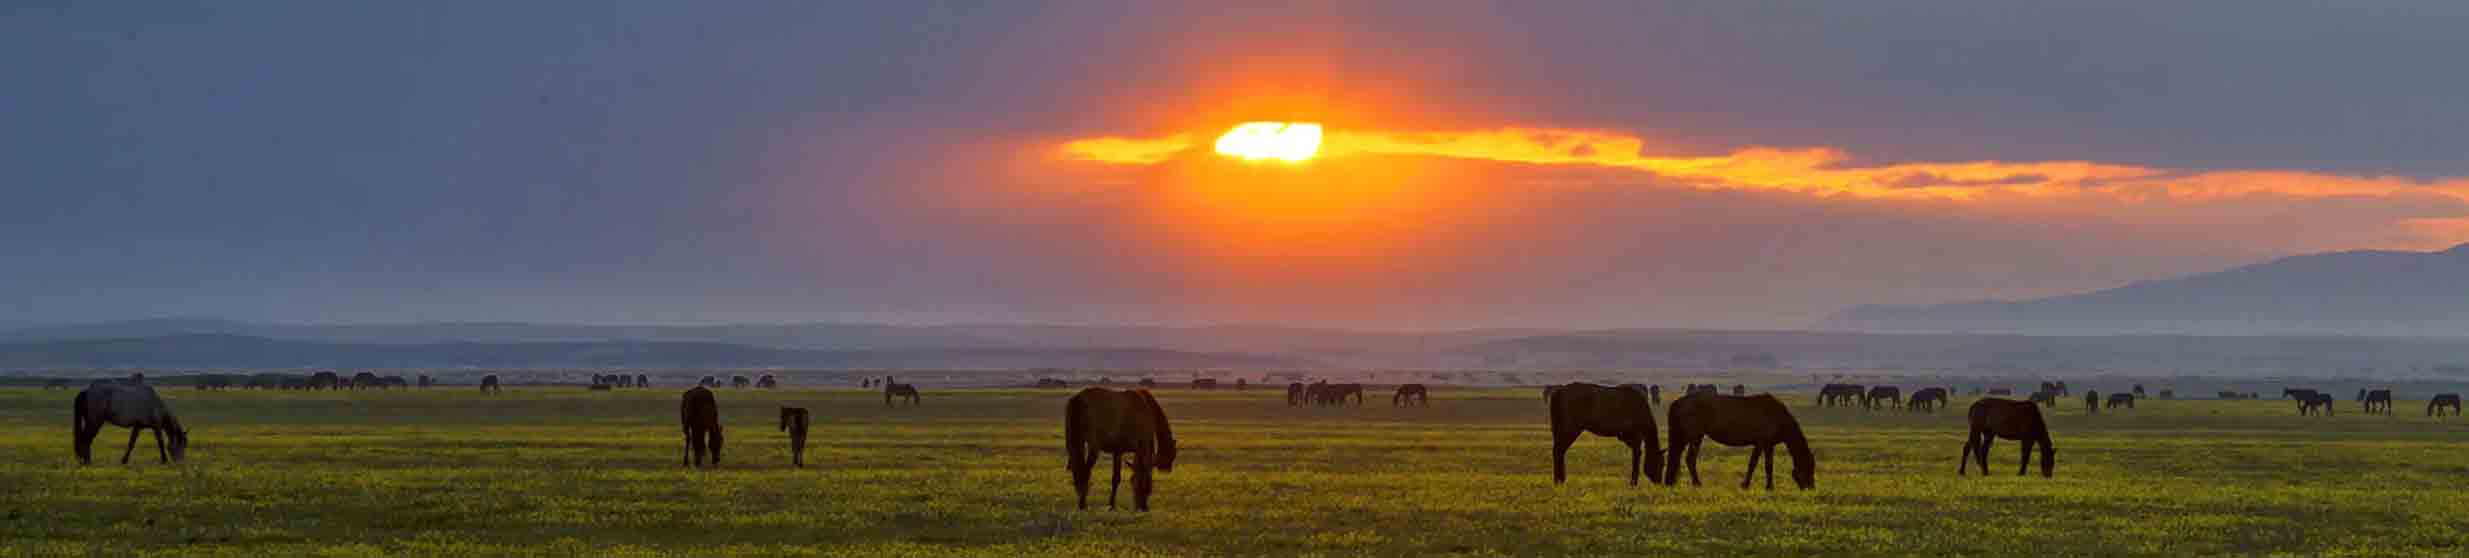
(2367, 292)
(234, 351)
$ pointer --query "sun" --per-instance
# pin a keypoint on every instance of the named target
(1285, 141)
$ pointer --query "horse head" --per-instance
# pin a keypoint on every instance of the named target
(179, 438)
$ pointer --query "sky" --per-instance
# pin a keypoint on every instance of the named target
(1558, 164)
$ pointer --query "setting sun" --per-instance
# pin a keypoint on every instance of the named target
(1285, 141)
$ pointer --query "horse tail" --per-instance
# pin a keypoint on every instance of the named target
(1075, 432)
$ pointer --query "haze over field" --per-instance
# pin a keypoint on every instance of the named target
(1568, 166)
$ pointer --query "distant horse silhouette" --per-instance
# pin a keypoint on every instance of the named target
(1882, 393)
(488, 384)
(2302, 395)
(1840, 394)
(129, 405)
(1927, 399)
(1701, 388)
(1335, 394)
(708, 381)
(324, 381)
(643, 381)
(366, 380)
(1410, 394)
(699, 414)
(1294, 394)
(893, 390)
(767, 382)
(2434, 407)
(793, 421)
(2091, 402)
(2126, 400)
(1995, 418)
(1738, 389)
(1759, 422)
(2046, 396)
(2138, 390)
(1117, 422)
(739, 382)
(2376, 401)
(1618, 413)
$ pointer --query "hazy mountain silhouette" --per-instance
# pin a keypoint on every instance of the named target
(2340, 293)
(235, 351)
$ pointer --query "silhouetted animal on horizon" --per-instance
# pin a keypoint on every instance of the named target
(2138, 390)
(366, 380)
(2376, 401)
(793, 421)
(1117, 422)
(2046, 396)
(2434, 407)
(1738, 389)
(708, 381)
(2304, 396)
(699, 414)
(2091, 402)
(895, 390)
(1336, 394)
(2126, 400)
(1882, 393)
(1759, 422)
(488, 384)
(1927, 399)
(739, 382)
(1840, 394)
(1294, 394)
(324, 381)
(1618, 413)
(642, 381)
(767, 382)
(1995, 418)
(1411, 394)
(128, 405)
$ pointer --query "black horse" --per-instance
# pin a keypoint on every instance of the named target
(699, 414)
(793, 421)
(1619, 413)
(2126, 400)
(1759, 421)
(892, 390)
(1995, 418)
(1411, 394)
(2434, 407)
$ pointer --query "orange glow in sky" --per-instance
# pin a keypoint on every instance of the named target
(1285, 141)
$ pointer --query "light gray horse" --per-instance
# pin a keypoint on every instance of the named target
(133, 406)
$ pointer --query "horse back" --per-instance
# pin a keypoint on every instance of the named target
(1117, 421)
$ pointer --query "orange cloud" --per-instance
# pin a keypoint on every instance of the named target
(1814, 170)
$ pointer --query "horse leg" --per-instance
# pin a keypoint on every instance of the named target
(1141, 481)
(1637, 457)
(160, 453)
(1693, 445)
(1080, 474)
(2025, 467)
(1770, 467)
(1965, 459)
(1751, 474)
(1982, 453)
(124, 456)
(1560, 455)
(1116, 485)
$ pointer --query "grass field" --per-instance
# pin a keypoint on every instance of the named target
(566, 472)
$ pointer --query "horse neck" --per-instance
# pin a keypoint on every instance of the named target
(1798, 444)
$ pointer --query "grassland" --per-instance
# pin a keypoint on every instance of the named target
(566, 472)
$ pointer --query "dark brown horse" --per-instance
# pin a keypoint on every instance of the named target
(1294, 394)
(793, 421)
(1759, 422)
(642, 381)
(1619, 413)
(1335, 394)
(2376, 401)
(2126, 400)
(1840, 394)
(1927, 399)
(2434, 407)
(1880, 394)
(1995, 418)
(488, 384)
(2091, 402)
(699, 413)
(1410, 394)
(131, 405)
(1116, 422)
(893, 390)
(767, 382)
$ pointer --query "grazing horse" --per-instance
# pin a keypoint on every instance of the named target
(2046, 396)
(2020, 421)
(739, 382)
(1927, 399)
(699, 413)
(1618, 413)
(2138, 390)
(767, 382)
(325, 380)
(2376, 401)
(1840, 394)
(642, 380)
(1116, 422)
(488, 384)
(1882, 393)
(1294, 394)
(2434, 407)
(2302, 395)
(893, 390)
(1411, 394)
(1758, 422)
(366, 380)
(793, 421)
(2121, 399)
(708, 381)
(1335, 394)
(2091, 402)
(129, 405)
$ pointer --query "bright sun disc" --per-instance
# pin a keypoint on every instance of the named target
(1284, 141)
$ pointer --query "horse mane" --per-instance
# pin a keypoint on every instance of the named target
(1165, 432)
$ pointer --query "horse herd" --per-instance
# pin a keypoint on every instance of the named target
(1131, 422)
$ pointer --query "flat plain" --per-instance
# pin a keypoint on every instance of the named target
(561, 471)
